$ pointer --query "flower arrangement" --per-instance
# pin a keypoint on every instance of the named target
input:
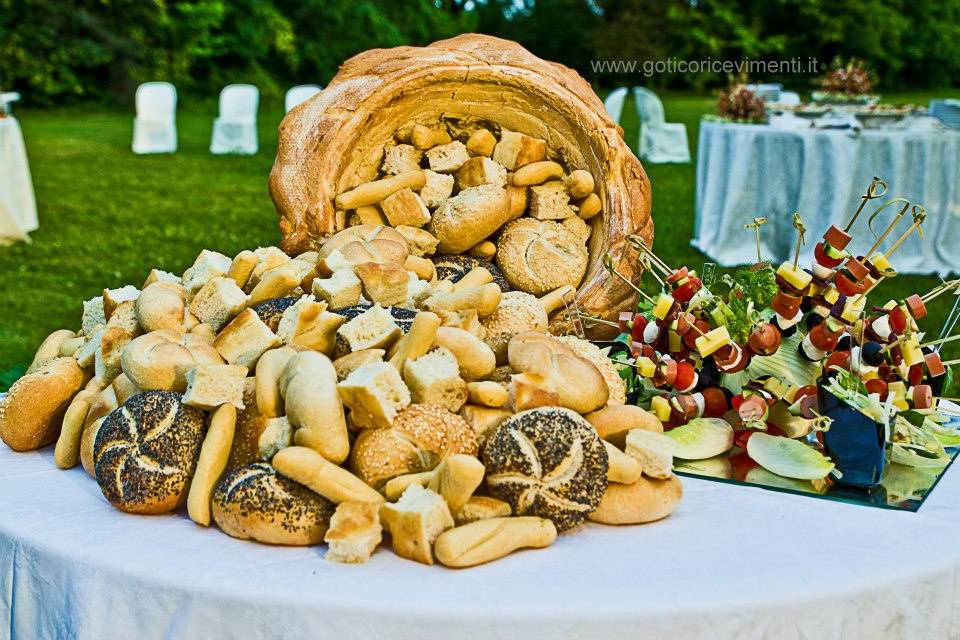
(847, 82)
(739, 104)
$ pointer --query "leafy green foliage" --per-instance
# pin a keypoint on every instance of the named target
(758, 285)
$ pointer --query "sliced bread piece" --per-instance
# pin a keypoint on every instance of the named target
(374, 393)
(434, 378)
(211, 385)
(375, 328)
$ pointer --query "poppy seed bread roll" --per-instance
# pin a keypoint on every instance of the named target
(540, 256)
(547, 462)
(256, 503)
(470, 217)
(146, 452)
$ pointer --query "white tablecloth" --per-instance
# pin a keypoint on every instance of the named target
(18, 209)
(732, 562)
(755, 170)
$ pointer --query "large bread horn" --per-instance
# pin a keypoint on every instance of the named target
(335, 140)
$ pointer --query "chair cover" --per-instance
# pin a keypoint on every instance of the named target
(660, 141)
(299, 94)
(7, 100)
(235, 130)
(155, 125)
(789, 98)
(18, 208)
(614, 103)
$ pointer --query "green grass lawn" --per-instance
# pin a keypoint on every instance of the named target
(108, 216)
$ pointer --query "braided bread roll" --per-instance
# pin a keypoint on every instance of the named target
(334, 141)
(146, 452)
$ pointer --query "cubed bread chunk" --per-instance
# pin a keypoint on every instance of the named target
(517, 149)
(211, 385)
(434, 378)
(481, 170)
(208, 265)
(375, 328)
(277, 434)
(550, 201)
(349, 363)
(447, 158)
(354, 533)
(437, 188)
(309, 325)
(93, 315)
(374, 393)
(218, 302)
(405, 207)
(159, 275)
(420, 242)
(400, 158)
(340, 290)
(654, 452)
(481, 143)
(415, 521)
(268, 258)
(385, 285)
(245, 339)
(112, 298)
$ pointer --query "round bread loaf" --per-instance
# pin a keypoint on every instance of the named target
(146, 452)
(646, 500)
(32, 412)
(270, 311)
(421, 435)
(518, 311)
(254, 502)
(547, 462)
(161, 359)
(469, 217)
(454, 267)
(538, 256)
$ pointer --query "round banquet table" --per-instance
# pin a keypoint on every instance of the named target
(733, 561)
(746, 170)
(18, 209)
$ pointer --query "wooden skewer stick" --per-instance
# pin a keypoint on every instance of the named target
(919, 215)
(596, 320)
(801, 237)
(893, 225)
(941, 340)
(943, 288)
(871, 194)
(639, 243)
(608, 265)
(755, 225)
(648, 268)
(949, 363)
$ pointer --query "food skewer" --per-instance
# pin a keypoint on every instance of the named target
(940, 289)
(639, 243)
(608, 265)
(919, 215)
(951, 322)
(755, 225)
(871, 194)
(893, 225)
(801, 237)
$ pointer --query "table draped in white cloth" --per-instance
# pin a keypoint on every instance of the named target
(732, 562)
(18, 209)
(745, 171)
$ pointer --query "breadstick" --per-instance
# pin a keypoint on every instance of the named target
(370, 214)
(622, 468)
(419, 340)
(50, 348)
(491, 539)
(374, 192)
(312, 470)
(213, 460)
(536, 173)
(590, 206)
(485, 299)
(424, 137)
(424, 268)
(484, 250)
(554, 300)
(275, 283)
(66, 454)
(474, 278)
(487, 393)
(518, 201)
(443, 286)
(481, 143)
(475, 357)
(269, 369)
(579, 184)
(242, 267)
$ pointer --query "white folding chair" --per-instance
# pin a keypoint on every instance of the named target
(614, 103)
(300, 94)
(7, 100)
(235, 130)
(789, 98)
(660, 141)
(155, 125)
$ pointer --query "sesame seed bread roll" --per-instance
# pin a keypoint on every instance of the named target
(646, 500)
(254, 502)
(518, 312)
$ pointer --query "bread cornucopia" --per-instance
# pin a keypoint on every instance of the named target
(357, 381)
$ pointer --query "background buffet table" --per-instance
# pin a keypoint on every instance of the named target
(759, 170)
(731, 562)
(18, 209)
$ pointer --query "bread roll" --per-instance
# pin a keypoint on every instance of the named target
(469, 217)
(487, 394)
(475, 358)
(547, 462)
(577, 381)
(213, 460)
(481, 508)
(269, 369)
(646, 500)
(50, 348)
(87, 442)
(420, 436)
(613, 422)
(158, 361)
(309, 388)
(256, 503)
(146, 452)
(586, 349)
(33, 410)
(539, 256)
(487, 540)
(518, 312)
(66, 455)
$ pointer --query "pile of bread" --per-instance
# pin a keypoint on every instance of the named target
(340, 393)
(466, 191)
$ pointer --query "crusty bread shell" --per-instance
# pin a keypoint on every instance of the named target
(335, 141)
